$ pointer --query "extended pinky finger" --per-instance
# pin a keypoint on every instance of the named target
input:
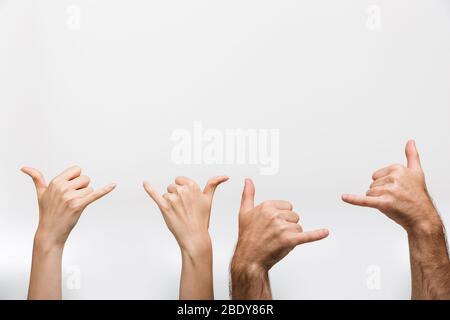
(97, 194)
(362, 201)
(311, 236)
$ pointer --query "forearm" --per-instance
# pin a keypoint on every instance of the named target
(45, 279)
(430, 265)
(197, 273)
(249, 282)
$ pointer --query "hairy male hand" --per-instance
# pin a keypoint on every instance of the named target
(269, 231)
(400, 192)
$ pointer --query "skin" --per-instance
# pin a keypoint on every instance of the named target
(61, 204)
(267, 233)
(186, 209)
(401, 194)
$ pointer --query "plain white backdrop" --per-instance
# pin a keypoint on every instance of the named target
(346, 83)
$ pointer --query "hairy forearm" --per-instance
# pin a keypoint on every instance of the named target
(430, 265)
(196, 273)
(249, 282)
(45, 279)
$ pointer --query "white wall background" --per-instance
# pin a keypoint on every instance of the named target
(108, 96)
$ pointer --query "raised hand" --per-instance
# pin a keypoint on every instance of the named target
(267, 233)
(186, 210)
(400, 192)
(61, 203)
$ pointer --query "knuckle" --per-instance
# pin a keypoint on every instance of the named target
(267, 205)
(191, 184)
(290, 205)
(394, 188)
(394, 177)
(269, 214)
(73, 204)
(66, 198)
(180, 190)
(280, 226)
(388, 202)
(286, 241)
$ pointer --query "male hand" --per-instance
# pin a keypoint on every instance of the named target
(268, 232)
(401, 194)
(61, 203)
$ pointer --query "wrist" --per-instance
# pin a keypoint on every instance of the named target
(248, 269)
(44, 244)
(198, 248)
(240, 265)
(244, 259)
(429, 225)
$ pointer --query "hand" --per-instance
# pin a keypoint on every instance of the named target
(62, 202)
(268, 232)
(400, 193)
(60, 206)
(186, 210)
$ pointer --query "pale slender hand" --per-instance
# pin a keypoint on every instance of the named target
(267, 233)
(401, 194)
(61, 204)
(186, 209)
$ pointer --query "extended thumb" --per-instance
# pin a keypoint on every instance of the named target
(248, 196)
(412, 155)
(37, 177)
